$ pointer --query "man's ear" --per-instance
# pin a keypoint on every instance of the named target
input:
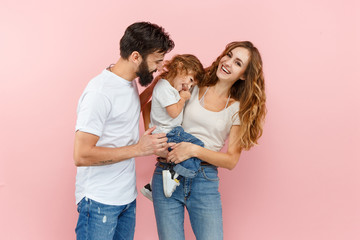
(135, 57)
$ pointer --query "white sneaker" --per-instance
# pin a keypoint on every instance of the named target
(147, 191)
(169, 183)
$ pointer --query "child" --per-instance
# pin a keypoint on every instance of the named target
(168, 99)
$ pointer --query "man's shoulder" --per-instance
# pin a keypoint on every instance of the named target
(109, 84)
(96, 82)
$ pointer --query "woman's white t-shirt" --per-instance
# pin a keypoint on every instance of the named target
(212, 128)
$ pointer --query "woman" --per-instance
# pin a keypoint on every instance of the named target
(228, 103)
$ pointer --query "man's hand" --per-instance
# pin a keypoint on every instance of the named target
(164, 153)
(151, 143)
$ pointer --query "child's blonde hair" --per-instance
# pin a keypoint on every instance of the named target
(183, 64)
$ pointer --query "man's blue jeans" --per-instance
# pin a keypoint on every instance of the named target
(201, 198)
(105, 222)
(189, 167)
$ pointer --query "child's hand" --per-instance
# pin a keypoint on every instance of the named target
(185, 94)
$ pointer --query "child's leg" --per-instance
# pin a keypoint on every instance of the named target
(189, 167)
(177, 135)
(186, 168)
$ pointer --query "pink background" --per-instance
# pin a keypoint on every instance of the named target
(301, 182)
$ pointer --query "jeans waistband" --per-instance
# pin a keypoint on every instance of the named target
(205, 164)
(161, 162)
(163, 165)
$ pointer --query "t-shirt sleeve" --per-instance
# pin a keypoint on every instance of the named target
(235, 115)
(165, 95)
(92, 112)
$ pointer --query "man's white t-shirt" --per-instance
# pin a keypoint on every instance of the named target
(109, 108)
(164, 95)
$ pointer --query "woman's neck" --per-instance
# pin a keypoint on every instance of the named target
(221, 89)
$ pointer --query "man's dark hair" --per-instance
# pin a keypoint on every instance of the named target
(145, 38)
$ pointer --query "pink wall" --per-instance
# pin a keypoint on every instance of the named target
(301, 182)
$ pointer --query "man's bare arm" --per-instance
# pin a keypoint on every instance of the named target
(86, 153)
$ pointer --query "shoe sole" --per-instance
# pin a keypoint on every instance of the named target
(146, 194)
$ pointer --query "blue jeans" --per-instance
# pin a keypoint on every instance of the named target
(201, 198)
(105, 222)
(189, 167)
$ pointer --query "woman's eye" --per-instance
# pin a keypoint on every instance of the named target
(238, 63)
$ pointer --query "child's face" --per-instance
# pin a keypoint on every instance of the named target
(184, 81)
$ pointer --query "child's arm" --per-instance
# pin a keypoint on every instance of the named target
(175, 109)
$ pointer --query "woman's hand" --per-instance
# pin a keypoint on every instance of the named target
(181, 152)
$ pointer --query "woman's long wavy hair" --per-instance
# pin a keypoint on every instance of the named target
(250, 92)
(182, 64)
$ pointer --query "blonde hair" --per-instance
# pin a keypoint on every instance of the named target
(183, 63)
(250, 92)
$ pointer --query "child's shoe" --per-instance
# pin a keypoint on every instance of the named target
(147, 191)
(170, 182)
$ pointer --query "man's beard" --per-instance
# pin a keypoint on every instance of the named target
(145, 77)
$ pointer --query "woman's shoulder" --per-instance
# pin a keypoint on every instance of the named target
(200, 90)
(234, 106)
(234, 103)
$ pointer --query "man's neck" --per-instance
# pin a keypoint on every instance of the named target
(124, 69)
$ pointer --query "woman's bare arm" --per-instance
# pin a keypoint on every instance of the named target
(185, 150)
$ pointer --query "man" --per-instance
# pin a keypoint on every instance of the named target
(107, 136)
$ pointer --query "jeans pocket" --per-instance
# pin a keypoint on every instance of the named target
(78, 208)
(79, 205)
(210, 173)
